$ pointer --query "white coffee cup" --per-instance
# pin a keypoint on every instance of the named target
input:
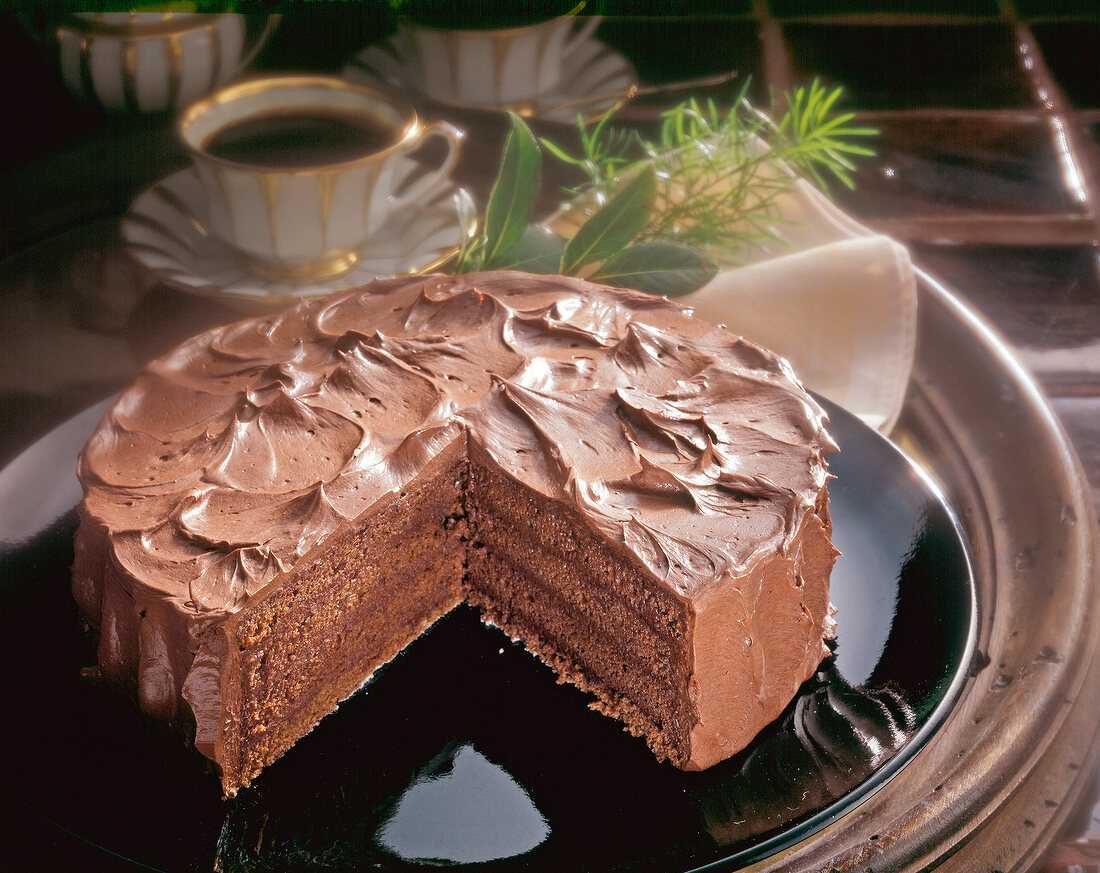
(149, 61)
(297, 214)
(499, 68)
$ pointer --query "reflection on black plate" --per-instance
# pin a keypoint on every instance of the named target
(465, 751)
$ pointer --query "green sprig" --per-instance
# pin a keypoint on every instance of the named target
(606, 244)
(659, 212)
(818, 142)
(721, 173)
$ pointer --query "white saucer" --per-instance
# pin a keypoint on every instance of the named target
(165, 231)
(596, 79)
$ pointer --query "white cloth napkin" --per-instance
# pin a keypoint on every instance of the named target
(838, 301)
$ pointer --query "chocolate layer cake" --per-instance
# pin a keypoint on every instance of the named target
(278, 507)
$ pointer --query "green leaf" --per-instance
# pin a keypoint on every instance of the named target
(539, 250)
(614, 225)
(470, 240)
(513, 196)
(657, 267)
(558, 152)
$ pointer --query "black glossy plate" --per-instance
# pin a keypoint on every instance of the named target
(465, 751)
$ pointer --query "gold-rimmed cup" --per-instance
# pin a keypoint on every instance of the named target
(301, 171)
(507, 67)
(147, 62)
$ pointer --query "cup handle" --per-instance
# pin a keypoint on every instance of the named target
(582, 33)
(257, 37)
(415, 190)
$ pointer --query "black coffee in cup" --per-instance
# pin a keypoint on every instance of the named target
(300, 138)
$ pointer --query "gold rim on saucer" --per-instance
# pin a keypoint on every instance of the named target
(321, 270)
(165, 232)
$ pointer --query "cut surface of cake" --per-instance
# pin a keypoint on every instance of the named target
(278, 507)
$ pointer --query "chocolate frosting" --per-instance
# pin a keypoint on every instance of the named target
(238, 452)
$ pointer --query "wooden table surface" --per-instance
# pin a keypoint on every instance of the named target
(987, 167)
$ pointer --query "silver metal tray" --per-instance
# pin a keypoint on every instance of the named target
(996, 785)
